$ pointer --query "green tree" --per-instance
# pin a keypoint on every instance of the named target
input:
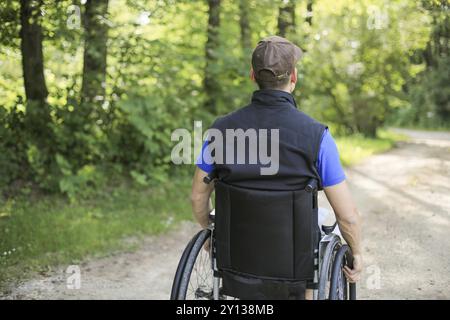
(37, 121)
(95, 52)
(430, 91)
(358, 63)
(286, 18)
(32, 56)
(309, 12)
(244, 24)
(211, 85)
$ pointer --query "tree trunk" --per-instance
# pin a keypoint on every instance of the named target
(309, 12)
(246, 41)
(286, 18)
(37, 122)
(94, 65)
(32, 56)
(37, 111)
(369, 130)
(211, 85)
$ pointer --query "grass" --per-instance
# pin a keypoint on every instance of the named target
(40, 233)
(35, 235)
(353, 149)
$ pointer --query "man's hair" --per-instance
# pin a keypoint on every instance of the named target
(272, 84)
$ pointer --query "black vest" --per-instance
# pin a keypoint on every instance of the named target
(299, 142)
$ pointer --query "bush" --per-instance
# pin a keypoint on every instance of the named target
(14, 166)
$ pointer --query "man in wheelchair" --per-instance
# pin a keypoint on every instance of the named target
(266, 242)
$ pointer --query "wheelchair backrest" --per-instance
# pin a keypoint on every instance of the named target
(266, 234)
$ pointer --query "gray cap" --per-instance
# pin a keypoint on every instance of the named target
(276, 56)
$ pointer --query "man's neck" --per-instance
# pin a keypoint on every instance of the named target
(287, 89)
(281, 89)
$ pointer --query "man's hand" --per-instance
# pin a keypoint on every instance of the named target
(354, 275)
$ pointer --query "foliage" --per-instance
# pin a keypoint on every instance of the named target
(357, 64)
(429, 92)
(360, 68)
(430, 99)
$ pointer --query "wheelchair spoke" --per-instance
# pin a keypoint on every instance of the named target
(200, 285)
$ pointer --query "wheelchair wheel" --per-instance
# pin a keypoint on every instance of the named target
(339, 287)
(338, 282)
(327, 262)
(194, 276)
(180, 268)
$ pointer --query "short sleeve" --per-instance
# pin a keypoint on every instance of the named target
(204, 161)
(328, 163)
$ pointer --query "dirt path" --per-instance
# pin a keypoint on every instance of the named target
(403, 195)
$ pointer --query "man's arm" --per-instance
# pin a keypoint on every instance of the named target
(349, 222)
(200, 198)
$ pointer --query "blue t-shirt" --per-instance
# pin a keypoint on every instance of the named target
(328, 164)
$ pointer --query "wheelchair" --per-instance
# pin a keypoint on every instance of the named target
(264, 244)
